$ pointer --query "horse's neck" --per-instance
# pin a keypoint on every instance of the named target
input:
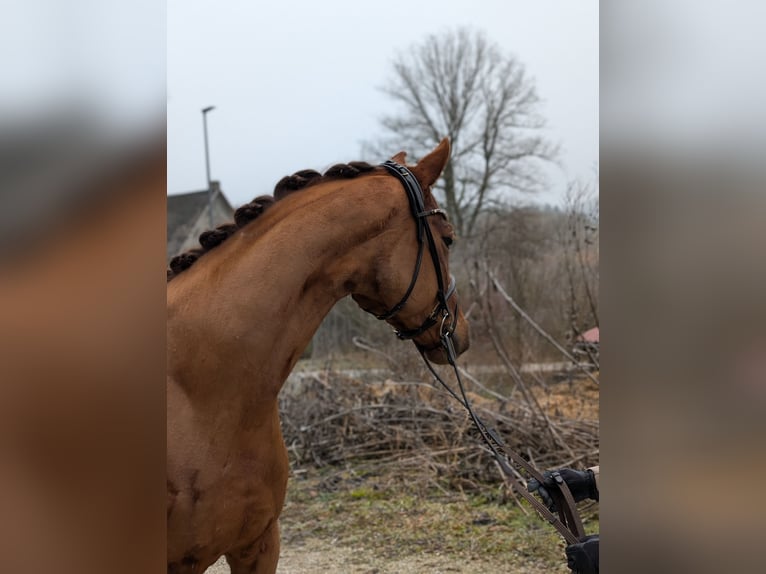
(264, 298)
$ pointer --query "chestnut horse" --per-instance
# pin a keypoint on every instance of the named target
(240, 317)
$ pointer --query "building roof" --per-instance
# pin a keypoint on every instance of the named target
(185, 209)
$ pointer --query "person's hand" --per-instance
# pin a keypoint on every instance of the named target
(582, 558)
(581, 483)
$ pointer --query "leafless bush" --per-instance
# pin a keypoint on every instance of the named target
(330, 418)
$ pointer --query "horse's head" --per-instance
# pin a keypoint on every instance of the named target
(415, 291)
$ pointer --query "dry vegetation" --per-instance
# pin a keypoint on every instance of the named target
(388, 476)
(331, 419)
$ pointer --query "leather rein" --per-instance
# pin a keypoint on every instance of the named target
(568, 522)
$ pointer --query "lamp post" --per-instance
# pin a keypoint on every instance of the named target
(207, 166)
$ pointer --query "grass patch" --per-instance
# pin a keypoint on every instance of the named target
(393, 517)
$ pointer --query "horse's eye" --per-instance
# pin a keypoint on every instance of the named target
(447, 241)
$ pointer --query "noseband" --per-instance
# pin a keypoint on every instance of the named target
(441, 311)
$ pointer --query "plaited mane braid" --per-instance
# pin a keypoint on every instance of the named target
(295, 182)
(214, 237)
(252, 210)
(184, 260)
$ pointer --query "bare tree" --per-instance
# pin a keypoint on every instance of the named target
(461, 85)
(579, 239)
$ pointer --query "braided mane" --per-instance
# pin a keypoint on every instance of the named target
(250, 211)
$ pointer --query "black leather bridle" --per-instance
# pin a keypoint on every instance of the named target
(441, 311)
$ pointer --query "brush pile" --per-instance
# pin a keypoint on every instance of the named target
(331, 418)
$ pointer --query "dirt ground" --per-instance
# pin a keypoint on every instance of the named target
(354, 528)
(323, 557)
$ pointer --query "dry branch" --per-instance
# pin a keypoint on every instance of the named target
(333, 419)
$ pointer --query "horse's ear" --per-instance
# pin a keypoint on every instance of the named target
(400, 157)
(430, 167)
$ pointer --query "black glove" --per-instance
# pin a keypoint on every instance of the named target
(582, 558)
(581, 483)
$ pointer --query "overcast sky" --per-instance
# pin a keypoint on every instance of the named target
(296, 83)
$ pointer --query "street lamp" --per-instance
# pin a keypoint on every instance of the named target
(207, 166)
